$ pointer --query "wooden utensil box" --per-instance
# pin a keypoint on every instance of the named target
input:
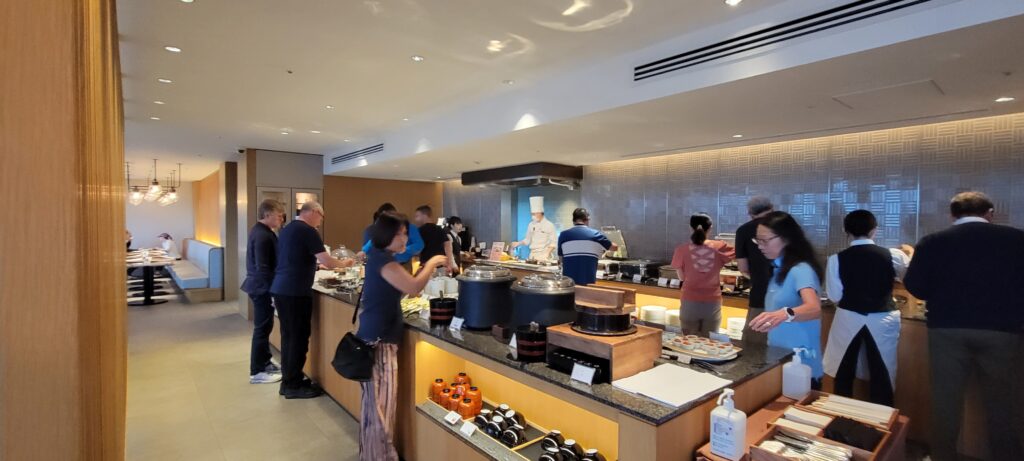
(759, 454)
(805, 404)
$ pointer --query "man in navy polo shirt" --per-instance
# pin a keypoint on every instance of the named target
(581, 247)
(299, 249)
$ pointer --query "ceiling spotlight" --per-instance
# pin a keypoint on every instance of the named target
(737, 135)
(154, 118)
(187, 1)
(284, 132)
(348, 140)
(1006, 99)
(733, 2)
(158, 102)
(438, 177)
(329, 107)
(165, 80)
(417, 58)
(406, 119)
(509, 82)
(173, 49)
(314, 131)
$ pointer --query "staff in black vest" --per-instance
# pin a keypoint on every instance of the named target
(859, 280)
(964, 272)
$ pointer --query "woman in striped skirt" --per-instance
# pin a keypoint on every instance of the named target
(380, 324)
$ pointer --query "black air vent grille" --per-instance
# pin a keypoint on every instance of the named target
(824, 20)
(357, 154)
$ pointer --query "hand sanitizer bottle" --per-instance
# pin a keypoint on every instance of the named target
(728, 428)
(796, 377)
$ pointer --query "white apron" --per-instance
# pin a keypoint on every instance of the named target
(885, 330)
(541, 237)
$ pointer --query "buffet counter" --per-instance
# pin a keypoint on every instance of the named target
(622, 425)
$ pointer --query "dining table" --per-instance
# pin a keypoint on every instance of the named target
(149, 260)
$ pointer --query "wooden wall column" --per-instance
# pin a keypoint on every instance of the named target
(62, 272)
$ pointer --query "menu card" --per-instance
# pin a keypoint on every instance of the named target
(497, 249)
(672, 384)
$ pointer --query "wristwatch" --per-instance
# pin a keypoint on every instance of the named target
(790, 314)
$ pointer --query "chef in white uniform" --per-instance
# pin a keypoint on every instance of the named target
(865, 333)
(541, 236)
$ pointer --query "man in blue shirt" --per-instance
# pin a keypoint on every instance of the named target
(413, 248)
(579, 248)
(299, 249)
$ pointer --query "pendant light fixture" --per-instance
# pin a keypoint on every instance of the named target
(171, 197)
(135, 196)
(154, 190)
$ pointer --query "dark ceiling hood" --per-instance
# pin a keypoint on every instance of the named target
(526, 175)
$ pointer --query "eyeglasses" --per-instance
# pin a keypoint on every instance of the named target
(762, 242)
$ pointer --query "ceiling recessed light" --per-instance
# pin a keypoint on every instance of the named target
(284, 132)
(173, 49)
(158, 102)
(509, 82)
(154, 118)
(165, 80)
(737, 135)
(328, 107)
(314, 131)
(733, 2)
(406, 119)
(417, 58)
(187, 1)
(348, 140)
(438, 177)
(1006, 99)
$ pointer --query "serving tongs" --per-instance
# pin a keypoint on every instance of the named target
(813, 449)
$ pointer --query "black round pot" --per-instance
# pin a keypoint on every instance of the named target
(531, 343)
(442, 310)
(485, 297)
(547, 299)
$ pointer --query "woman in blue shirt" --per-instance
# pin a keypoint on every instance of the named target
(380, 324)
(792, 314)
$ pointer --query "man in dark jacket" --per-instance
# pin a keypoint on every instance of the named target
(260, 262)
(972, 322)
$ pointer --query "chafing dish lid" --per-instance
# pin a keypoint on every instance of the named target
(482, 273)
(546, 283)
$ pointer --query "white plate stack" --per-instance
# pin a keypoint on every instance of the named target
(653, 314)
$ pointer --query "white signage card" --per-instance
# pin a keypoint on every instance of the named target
(662, 281)
(674, 283)
(456, 324)
(512, 348)
(637, 278)
(457, 335)
(683, 358)
(452, 417)
(468, 428)
(618, 276)
(583, 374)
(600, 274)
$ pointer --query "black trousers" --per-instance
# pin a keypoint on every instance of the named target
(880, 385)
(993, 355)
(296, 316)
(262, 325)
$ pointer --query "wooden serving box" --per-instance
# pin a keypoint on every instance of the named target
(759, 454)
(627, 355)
(805, 404)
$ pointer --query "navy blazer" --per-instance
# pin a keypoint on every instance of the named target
(260, 260)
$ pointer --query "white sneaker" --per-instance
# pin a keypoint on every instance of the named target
(273, 368)
(264, 378)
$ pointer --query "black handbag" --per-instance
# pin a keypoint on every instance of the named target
(353, 358)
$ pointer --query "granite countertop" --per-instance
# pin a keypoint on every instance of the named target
(754, 360)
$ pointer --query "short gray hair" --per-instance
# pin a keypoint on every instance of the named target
(269, 206)
(759, 204)
(312, 206)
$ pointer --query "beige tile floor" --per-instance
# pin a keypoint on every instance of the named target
(189, 396)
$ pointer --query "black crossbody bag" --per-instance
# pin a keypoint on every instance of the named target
(353, 358)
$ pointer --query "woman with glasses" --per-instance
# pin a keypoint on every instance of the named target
(698, 264)
(792, 310)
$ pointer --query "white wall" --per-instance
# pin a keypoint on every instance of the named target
(148, 219)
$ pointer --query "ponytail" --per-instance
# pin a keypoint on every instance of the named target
(700, 223)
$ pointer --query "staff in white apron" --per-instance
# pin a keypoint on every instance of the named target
(866, 330)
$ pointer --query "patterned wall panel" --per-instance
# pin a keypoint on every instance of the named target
(905, 176)
(479, 208)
